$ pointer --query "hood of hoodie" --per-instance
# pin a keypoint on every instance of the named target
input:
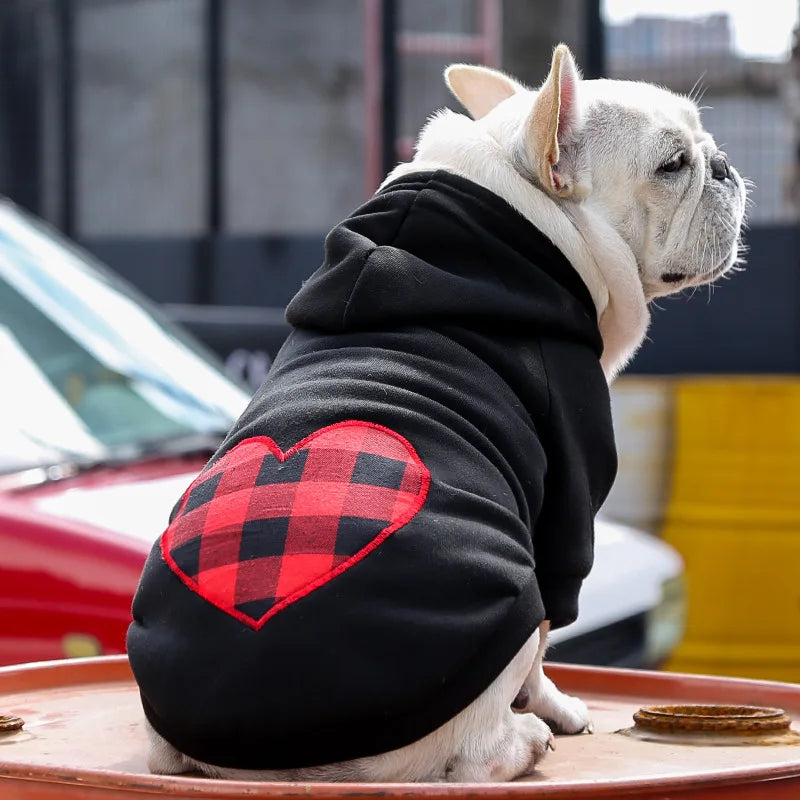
(436, 249)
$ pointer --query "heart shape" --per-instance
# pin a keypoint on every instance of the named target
(260, 528)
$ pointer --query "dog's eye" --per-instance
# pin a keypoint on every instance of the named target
(677, 162)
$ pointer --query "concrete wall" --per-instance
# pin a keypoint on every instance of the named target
(140, 139)
(295, 114)
(294, 126)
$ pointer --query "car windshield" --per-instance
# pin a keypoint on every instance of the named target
(91, 372)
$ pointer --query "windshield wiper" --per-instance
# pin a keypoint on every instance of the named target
(186, 444)
(74, 463)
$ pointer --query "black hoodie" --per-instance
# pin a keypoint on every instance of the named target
(409, 494)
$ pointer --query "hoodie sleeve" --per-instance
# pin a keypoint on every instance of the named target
(581, 466)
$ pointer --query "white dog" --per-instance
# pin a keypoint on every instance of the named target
(625, 181)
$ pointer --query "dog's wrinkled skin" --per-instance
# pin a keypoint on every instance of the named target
(624, 180)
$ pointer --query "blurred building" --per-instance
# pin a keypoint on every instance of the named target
(203, 148)
(793, 107)
(660, 38)
(133, 78)
(744, 101)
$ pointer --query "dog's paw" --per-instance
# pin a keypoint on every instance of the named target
(567, 714)
(520, 745)
(535, 739)
(562, 712)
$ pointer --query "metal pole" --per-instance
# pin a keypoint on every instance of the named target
(595, 65)
(491, 26)
(380, 91)
(67, 92)
(20, 104)
(389, 87)
(215, 86)
(373, 80)
(215, 149)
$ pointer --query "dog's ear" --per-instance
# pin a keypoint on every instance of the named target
(479, 89)
(552, 122)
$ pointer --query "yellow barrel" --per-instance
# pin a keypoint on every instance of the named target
(734, 515)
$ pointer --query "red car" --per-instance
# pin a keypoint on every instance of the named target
(107, 413)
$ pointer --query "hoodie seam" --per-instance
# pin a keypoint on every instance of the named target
(390, 243)
(346, 308)
(546, 377)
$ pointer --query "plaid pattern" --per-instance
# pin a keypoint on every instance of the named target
(261, 528)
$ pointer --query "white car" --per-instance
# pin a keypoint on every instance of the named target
(632, 605)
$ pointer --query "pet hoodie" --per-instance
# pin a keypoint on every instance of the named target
(407, 496)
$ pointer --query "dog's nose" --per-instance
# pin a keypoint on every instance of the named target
(720, 168)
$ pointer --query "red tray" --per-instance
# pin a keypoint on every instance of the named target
(83, 738)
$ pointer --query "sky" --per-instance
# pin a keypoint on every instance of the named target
(760, 27)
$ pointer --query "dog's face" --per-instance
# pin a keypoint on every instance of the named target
(662, 183)
(632, 153)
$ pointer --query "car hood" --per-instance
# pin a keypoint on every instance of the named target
(139, 509)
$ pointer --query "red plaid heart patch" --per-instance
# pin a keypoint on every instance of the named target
(262, 528)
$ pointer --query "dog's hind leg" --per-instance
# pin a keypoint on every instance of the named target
(539, 695)
(497, 744)
(509, 750)
(162, 757)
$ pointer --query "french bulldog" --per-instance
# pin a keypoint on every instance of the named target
(622, 178)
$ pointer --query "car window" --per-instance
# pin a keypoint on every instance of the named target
(82, 348)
